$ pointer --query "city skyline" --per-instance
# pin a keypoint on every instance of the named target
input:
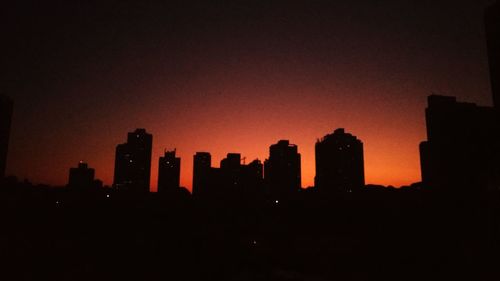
(250, 140)
(247, 87)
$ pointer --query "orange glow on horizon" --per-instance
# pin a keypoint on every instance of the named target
(234, 78)
(244, 110)
(391, 154)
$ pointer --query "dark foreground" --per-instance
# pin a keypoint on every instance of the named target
(374, 235)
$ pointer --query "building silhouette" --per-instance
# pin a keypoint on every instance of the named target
(202, 162)
(282, 170)
(339, 163)
(230, 170)
(239, 180)
(82, 177)
(253, 172)
(232, 180)
(169, 172)
(492, 24)
(219, 184)
(133, 162)
(460, 149)
(6, 106)
(252, 180)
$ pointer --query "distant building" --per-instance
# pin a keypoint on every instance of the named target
(6, 106)
(82, 177)
(232, 180)
(339, 163)
(230, 168)
(133, 162)
(252, 179)
(460, 149)
(169, 172)
(239, 180)
(282, 169)
(202, 162)
(252, 173)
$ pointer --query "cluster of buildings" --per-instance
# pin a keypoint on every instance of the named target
(339, 165)
(462, 152)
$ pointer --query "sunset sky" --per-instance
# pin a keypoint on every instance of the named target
(233, 76)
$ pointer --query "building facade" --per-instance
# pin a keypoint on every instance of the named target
(339, 163)
(282, 170)
(460, 149)
(81, 177)
(202, 162)
(133, 162)
(169, 172)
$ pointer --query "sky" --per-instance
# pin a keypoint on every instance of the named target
(233, 76)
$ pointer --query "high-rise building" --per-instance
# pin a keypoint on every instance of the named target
(252, 174)
(169, 172)
(492, 24)
(202, 162)
(133, 162)
(81, 177)
(460, 149)
(282, 169)
(6, 106)
(252, 180)
(339, 163)
(235, 180)
(230, 168)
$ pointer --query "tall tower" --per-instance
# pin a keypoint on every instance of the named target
(282, 169)
(6, 106)
(133, 162)
(339, 163)
(202, 162)
(169, 172)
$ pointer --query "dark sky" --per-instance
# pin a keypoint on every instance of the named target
(233, 76)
